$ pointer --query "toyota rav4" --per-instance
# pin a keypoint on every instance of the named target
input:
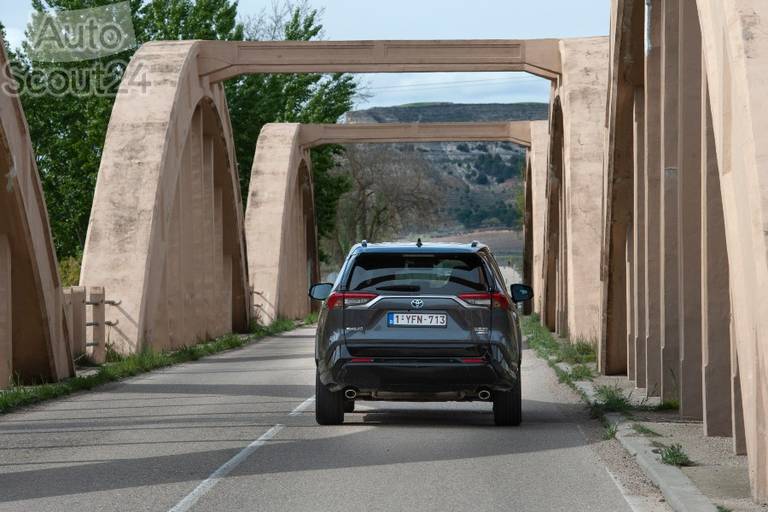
(418, 322)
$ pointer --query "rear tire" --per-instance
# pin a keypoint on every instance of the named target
(508, 407)
(329, 405)
(349, 406)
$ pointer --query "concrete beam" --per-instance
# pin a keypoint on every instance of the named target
(715, 289)
(736, 53)
(652, 191)
(583, 95)
(627, 56)
(221, 60)
(668, 248)
(313, 135)
(538, 160)
(638, 341)
(689, 209)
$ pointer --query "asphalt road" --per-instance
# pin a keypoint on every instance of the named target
(236, 432)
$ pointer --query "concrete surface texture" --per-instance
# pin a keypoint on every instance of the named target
(313, 135)
(34, 344)
(570, 291)
(221, 60)
(166, 230)
(701, 82)
(280, 229)
(152, 443)
(538, 175)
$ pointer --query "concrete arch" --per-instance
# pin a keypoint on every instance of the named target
(280, 225)
(33, 336)
(538, 156)
(166, 234)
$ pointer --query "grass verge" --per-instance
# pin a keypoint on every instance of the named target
(577, 354)
(121, 367)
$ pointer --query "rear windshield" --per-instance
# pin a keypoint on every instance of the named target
(439, 274)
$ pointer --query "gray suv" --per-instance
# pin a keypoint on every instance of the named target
(418, 322)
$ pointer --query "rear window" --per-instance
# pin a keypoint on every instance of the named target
(439, 274)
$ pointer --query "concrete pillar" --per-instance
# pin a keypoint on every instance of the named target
(77, 327)
(668, 267)
(637, 373)
(737, 411)
(6, 303)
(715, 289)
(652, 191)
(98, 329)
(689, 210)
(630, 301)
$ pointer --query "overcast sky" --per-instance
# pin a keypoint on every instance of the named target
(431, 19)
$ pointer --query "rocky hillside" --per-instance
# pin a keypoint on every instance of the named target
(484, 178)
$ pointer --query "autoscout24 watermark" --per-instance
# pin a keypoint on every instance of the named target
(86, 34)
(79, 52)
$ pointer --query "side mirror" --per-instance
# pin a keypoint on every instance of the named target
(521, 292)
(320, 291)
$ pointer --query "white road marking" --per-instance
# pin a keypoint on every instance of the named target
(303, 407)
(206, 485)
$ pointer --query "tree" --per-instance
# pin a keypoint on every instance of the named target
(68, 130)
(391, 192)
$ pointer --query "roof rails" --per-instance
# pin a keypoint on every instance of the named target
(418, 243)
(364, 243)
(475, 243)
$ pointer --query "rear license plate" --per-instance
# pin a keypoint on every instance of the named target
(417, 320)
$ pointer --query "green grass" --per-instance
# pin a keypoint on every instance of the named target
(721, 508)
(609, 431)
(668, 405)
(643, 430)
(674, 455)
(547, 347)
(610, 399)
(121, 367)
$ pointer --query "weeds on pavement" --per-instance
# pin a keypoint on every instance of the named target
(674, 455)
(609, 431)
(645, 431)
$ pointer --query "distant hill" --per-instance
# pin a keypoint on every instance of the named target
(485, 178)
(451, 113)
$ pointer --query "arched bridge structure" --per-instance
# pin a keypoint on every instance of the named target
(34, 345)
(166, 234)
(279, 219)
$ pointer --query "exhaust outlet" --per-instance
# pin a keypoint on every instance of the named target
(350, 394)
(484, 394)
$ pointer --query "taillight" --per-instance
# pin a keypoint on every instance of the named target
(344, 299)
(499, 300)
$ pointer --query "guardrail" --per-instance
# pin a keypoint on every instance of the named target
(88, 327)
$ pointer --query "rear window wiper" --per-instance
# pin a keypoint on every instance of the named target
(400, 288)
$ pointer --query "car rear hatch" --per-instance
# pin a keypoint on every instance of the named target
(420, 306)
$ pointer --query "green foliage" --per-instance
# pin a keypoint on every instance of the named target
(463, 147)
(496, 167)
(120, 367)
(474, 214)
(69, 270)
(674, 455)
(609, 431)
(582, 372)
(610, 399)
(68, 131)
(668, 405)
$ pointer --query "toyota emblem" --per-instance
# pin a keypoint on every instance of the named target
(417, 303)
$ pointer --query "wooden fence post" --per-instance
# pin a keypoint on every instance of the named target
(98, 328)
(77, 332)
